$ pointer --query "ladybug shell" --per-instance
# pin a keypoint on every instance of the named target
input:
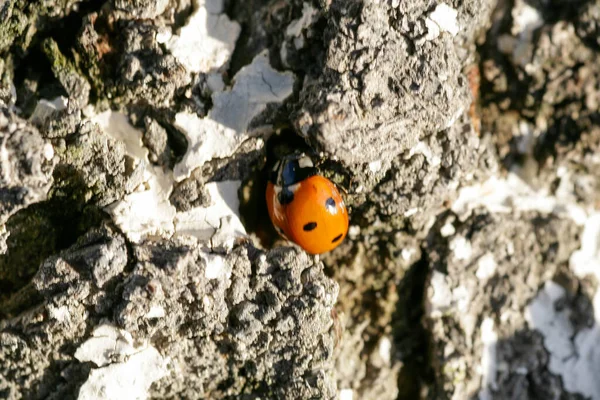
(276, 211)
(310, 212)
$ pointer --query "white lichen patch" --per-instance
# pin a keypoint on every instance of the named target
(576, 360)
(6, 170)
(441, 297)
(61, 314)
(207, 41)
(488, 367)
(375, 166)
(295, 32)
(107, 344)
(353, 231)
(486, 266)
(424, 149)
(444, 298)
(385, 350)
(461, 297)
(44, 109)
(117, 125)
(3, 236)
(146, 211)
(525, 135)
(461, 248)
(520, 43)
(442, 19)
(346, 394)
(216, 267)
(526, 20)
(226, 126)
(411, 211)
(574, 354)
(586, 260)
(447, 230)
(408, 254)
(308, 17)
(124, 371)
(48, 152)
(222, 216)
(513, 194)
(155, 312)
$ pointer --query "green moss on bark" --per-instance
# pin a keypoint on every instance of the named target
(23, 19)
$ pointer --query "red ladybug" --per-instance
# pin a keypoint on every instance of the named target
(304, 206)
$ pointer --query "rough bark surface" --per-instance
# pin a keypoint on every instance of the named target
(136, 255)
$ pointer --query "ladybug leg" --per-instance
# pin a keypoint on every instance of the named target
(345, 189)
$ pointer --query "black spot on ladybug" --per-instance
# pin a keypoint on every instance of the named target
(338, 237)
(310, 226)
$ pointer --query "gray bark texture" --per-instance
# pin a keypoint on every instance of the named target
(137, 259)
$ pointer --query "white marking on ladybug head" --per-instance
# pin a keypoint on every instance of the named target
(305, 162)
(331, 206)
(293, 188)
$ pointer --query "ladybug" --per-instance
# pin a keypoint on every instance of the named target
(305, 207)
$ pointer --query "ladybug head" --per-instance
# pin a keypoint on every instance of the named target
(292, 168)
(284, 143)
